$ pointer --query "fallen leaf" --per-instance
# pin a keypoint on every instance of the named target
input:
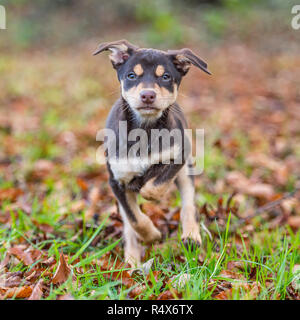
(94, 196)
(138, 290)
(294, 222)
(66, 297)
(296, 278)
(42, 168)
(4, 262)
(240, 265)
(31, 276)
(224, 295)
(144, 269)
(231, 275)
(261, 190)
(63, 271)
(18, 292)
(179, 282)
(12, 279)
(48, 262)
(22, 255)
(153, 278)
(82, 184)
(78, 206)
(43, 226)
(10, 194)
(168, 295)
(37, 291)
(245, 185)
(253, 293)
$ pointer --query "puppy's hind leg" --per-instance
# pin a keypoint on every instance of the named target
(188, 213)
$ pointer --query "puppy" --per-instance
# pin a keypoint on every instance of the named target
(149, 81)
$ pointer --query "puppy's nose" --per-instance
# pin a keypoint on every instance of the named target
(148, 96)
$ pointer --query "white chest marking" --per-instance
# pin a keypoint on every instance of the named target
(125, 169)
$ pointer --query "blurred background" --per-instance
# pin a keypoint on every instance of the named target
(54, 96)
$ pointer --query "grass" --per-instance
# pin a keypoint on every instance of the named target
(272, 255)
(57, 104)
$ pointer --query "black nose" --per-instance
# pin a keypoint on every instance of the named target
(148, 96)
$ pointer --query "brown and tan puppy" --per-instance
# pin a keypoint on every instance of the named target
(149, 81)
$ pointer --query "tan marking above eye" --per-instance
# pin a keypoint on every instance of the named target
(160, 70)
(138, 69)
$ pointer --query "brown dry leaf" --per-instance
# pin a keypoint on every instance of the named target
(17, 292)
(245, 185)
(12, 279)
(63, 271)
(4, 262)
(150, 279)
(48, 262)
(240, 265)
(168, 295)
(31, 276)
(6, 217)
(231, 275)
(82, 184)
(137, 291)
(296, 282)
(288, 205)
(78, 206)
(66, 297)
(43, 226)
(37, 291)
(10, 194)
(122, 275)
(224, 295)
(180, 282)
(22, 255)
(94, 197)
(262, 160)
(261, 190)
(253, 293)
(294, 222)
(42, 168)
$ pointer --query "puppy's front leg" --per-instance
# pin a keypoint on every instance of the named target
(132, 246)
(142, 225)
(188, 214)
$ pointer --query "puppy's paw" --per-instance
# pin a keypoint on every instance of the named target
(150, 235)
(146, 231)
(191, 240)
(155, 235)
(151, 191)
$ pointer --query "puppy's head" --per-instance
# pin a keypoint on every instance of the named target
(150, 78)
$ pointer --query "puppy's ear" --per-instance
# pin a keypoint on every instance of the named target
(121, 50)
(184, 58)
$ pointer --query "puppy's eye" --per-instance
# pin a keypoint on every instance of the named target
(131, 76)
(166, 76)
